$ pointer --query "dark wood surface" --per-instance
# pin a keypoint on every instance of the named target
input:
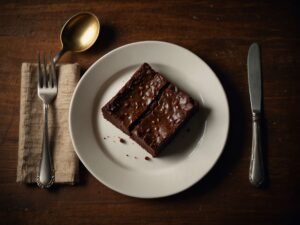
(220, 32)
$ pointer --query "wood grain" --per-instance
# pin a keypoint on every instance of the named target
(218, 31)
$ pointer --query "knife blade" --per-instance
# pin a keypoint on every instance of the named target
(254, 77)
(256, 171)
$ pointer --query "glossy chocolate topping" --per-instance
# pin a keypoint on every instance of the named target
(133, 100)
(168, 114)
(150, 109)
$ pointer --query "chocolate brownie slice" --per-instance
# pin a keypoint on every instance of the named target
(164, 119)
(133, 100)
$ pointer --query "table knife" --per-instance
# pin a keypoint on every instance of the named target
(256, 171)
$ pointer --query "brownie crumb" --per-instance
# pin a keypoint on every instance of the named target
(147, 158)
(127, 155)
(104, 138)
(122, 140)
(135, 157)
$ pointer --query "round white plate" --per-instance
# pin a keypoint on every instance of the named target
(122, 166)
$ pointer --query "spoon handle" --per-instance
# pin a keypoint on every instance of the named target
(58, 55)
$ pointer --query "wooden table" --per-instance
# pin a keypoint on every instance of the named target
(220, 32)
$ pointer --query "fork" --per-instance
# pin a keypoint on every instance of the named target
(47, 91)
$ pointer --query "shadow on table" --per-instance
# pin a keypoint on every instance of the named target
(106, 38)
(234, 145)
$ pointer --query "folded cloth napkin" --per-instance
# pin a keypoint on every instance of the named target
(31, 126)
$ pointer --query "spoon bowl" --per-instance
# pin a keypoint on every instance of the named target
(78, 34)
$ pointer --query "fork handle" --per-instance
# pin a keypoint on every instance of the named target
(45, 176)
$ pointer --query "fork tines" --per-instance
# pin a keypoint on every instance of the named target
(46, 73)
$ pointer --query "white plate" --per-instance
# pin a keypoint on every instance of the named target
(122, 167)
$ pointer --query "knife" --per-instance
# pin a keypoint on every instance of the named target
(256, 172)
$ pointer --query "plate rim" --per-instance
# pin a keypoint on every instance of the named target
(84, 76)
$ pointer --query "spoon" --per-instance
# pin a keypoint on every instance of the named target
(78, 34)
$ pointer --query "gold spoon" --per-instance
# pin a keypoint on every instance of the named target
(78, 34)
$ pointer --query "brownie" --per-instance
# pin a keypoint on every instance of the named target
(134, 98)
(150, 109)
(167, 115)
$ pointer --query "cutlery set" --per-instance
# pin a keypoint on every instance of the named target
(78, 34)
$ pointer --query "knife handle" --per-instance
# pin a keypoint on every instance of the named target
(256, 172)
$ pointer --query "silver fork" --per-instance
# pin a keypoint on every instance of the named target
(47, 91)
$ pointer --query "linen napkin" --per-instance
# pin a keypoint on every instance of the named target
(31, 126)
